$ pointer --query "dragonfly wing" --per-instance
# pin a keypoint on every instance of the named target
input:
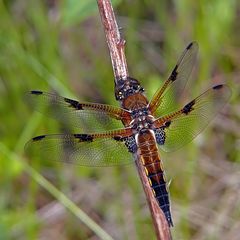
(86, 116)
(103, 149)
(166, 96)
(179, 128)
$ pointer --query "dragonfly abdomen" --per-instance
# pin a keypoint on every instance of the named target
(154, 170)
(158, 184)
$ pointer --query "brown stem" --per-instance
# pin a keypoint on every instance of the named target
(115, 42)
(116, 48)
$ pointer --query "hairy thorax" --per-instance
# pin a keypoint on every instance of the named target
(142, 119)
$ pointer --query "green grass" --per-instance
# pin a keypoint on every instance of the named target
(62, 48)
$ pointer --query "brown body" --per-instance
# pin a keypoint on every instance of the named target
(148, 152)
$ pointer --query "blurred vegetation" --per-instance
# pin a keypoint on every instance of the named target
(60, 46)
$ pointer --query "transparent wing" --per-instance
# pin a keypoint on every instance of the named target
(86, 116)
(181, 127)
(93, 150)
(164, 99)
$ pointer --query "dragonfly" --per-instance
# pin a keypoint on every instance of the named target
(142, 127)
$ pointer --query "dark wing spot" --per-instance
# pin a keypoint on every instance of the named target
(73, 103)
(84, 137)
(118, 138)
(217, 87)
(36, 92)
(174, 74)
(189, 45)
(167, 124)
(188, 107)
(38, 138)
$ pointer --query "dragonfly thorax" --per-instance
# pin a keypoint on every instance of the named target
(141, 119)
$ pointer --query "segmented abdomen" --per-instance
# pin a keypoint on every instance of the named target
(151, 161)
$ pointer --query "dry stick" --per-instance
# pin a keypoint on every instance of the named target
(114, 40)
(116, 48)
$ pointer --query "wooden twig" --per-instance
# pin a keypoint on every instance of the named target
(114, 40)
(116, 48)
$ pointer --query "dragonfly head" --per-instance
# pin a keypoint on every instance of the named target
(125, 88)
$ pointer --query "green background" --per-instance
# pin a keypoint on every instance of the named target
(60, 46)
